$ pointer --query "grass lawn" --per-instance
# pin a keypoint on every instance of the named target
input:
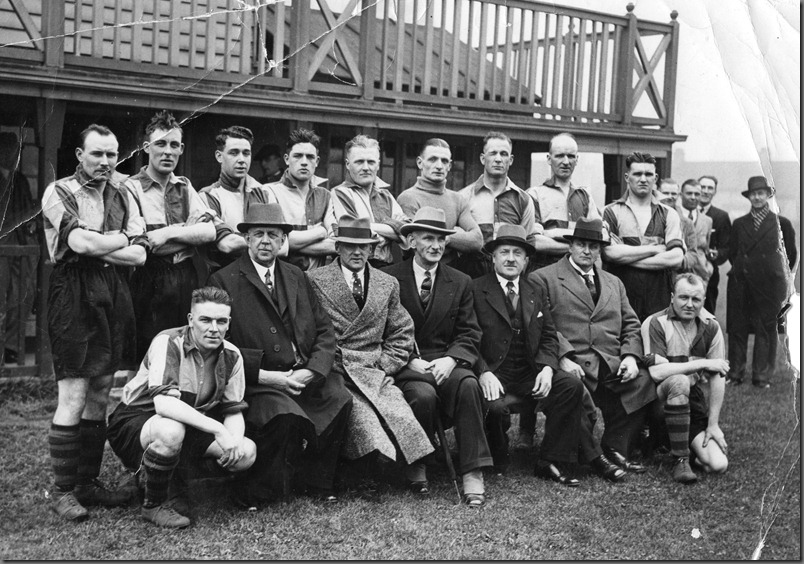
(647, 517)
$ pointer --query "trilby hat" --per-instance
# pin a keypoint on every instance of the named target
(758, 183)
(264, 215)
(430, 219)
(588, 230)
(508, 234)
(355, 230)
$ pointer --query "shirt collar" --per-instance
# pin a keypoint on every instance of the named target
(419, 271)
(189, 345)
(551, 183)
(684, 212)
(261, 270)
(654, 198)
(705, 209)
(148, 182)
(703, 315)
(579, 270)
(503, 282)
(378, 182)
(480, 185)
(348, 274)
(288, 181)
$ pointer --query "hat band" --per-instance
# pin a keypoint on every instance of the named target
(354, 232)
(429, 223)
(587, 234)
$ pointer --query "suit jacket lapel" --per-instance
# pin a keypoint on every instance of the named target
(527, 299)
(495, 297)
(571, 281)
(440, 301)
(287, 280)
(605, 292)
(248, 270)
(408, 294)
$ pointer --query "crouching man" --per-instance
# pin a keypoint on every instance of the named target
(681, 343)
(186, 401)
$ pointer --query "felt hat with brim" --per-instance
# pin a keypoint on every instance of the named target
(758, 183)
(508, 234)
(264, 215)
(588, 230)
(356, 231)
(428, 219)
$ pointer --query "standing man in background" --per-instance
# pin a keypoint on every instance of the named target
(430, 189)
(718, 251)
(558, 203)
(230, 196)
(701, 229)
(92, 227)
(269, 157)
(177, 220)
(493, 200)
(762, 251)
(304, 200)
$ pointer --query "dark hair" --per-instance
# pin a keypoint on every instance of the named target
(235, 132)
(639, 158)
(496, 135)
(690, 182)
(163, 120)
(689, 278)
(434, 142)
(211, 294)
(361, 141)
(302, 135)
(554, 137)
(99, 129)
(710, 177)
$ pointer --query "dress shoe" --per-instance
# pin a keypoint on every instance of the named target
(421, 487)
(549, 471)
(682, 471)
(474, 499)
(623, 462)
(603, 467)
(762, 385)
(322, 495)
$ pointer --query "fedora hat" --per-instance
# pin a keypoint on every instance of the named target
(428, 219)
(509, 234)
(588, 230)
(355, 230)
(758, 183)
(264, 215)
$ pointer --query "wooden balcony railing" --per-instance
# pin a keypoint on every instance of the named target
(513, 56)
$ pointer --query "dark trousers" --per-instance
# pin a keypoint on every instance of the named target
(765, 344)
(620, 428)
(568, 428)
(279, 448)
(711, 291)
(320, 458)
(461, 396)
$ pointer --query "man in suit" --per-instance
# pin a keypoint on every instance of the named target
(439, 379)
(518, 365)
(718, 239)
(758, 283)
(288, 346)
(375, 341)
(599, 339)
(701, 229)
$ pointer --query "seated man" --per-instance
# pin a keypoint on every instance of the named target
(185, 402)
(440, 380)
(599, 338)
(519, 361)
(681, 342)
(375, 341)
(288, 346)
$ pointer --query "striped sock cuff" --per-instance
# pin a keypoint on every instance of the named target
(677, 419)
(158, 470)
(65, 447)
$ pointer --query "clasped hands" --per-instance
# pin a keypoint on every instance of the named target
(440, 368)
(291, 382)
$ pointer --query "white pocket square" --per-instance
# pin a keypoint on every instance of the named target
(540, 314)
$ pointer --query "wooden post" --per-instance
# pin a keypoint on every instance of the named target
(49, 126)
(613, 172)
(300, 50)
(670, 72)
(625, 90)
(368, 45)
(53, 28)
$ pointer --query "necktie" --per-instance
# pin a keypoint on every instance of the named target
(590, 283)
(512, 297)
(269, 284)
(427, 288)
(357, 290)
(690, 216)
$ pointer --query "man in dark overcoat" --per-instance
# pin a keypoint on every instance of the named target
(599, 338)
(759, 281)
(439, 379)
(288, 346)
(518, 366)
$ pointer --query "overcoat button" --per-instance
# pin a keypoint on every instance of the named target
(276, 348)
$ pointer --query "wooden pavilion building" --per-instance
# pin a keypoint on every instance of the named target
(399, 70)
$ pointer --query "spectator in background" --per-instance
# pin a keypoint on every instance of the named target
(701, 228)
(647, 244)
(19, 225)
(269, 157)
(718, 251)
(762, 251)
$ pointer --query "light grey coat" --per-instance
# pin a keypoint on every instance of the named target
(372, 343)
